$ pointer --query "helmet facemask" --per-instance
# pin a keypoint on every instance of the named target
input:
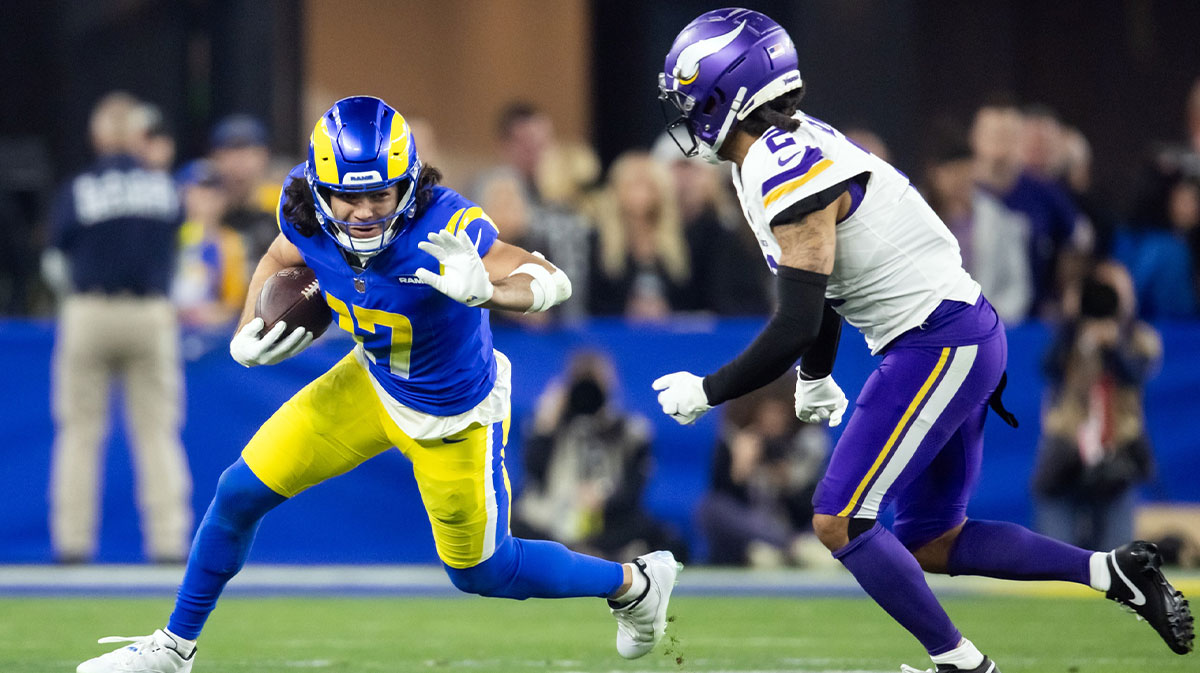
(682, 128)
(392, 223)
(676, 106)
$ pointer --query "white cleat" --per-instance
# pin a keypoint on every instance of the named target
(154, 653)
(642, 623)
(988, 666)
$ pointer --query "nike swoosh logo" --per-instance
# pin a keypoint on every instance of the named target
(1138, 597)
(784, 162)
(449, 440)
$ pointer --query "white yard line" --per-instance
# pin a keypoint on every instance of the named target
(428, 580)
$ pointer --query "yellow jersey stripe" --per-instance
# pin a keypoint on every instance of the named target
(792, 185)
(452, 225)
(887, 447)
(476, 213)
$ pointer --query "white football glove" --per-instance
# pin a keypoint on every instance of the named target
(250, 349)
(820, 399)
(464, 279)
(682, 396)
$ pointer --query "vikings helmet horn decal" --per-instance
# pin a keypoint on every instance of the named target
(687, 67)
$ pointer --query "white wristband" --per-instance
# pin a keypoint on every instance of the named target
(549, 289)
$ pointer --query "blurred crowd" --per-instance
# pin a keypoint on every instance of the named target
(658, 235)
(1015, 188)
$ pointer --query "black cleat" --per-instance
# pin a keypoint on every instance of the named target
(988, 666)
(1138, 584)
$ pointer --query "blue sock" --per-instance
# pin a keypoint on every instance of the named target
(1008, 551)
(221, 546)
(890, 575)
(523, 569)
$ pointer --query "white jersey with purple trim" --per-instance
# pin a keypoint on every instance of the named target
(895, 259)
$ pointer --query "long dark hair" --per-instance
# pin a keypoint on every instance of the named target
(775, 112)
(300, 209)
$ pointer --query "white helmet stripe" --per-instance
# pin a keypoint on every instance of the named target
(687, 66)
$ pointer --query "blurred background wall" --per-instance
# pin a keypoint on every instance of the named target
(454, 63)
(1119, 68)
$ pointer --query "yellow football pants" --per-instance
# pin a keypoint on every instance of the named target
(337, 422)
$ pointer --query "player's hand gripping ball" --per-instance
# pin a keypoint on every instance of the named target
(289, 313)
(293, 296)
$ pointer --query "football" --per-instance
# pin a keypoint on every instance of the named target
(293, 296)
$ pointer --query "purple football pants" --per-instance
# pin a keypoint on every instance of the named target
(915, 438)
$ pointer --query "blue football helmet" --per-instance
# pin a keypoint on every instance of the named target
(721, 67)
(362, 145)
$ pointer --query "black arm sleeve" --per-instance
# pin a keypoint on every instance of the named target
(791, 330)
(817, 362)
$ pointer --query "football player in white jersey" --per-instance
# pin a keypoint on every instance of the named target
(847, 236)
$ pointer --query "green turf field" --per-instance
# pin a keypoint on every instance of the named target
(476, 635)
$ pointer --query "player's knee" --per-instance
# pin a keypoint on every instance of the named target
(928, 558)
(933, 555)
(492, 578)
(242, 498)
(469, 580)
(831, 530)
(485, 579)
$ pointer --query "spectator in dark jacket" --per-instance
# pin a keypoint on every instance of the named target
(1094, 450)
(587, 462)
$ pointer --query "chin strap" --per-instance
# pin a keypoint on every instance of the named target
(709, 152)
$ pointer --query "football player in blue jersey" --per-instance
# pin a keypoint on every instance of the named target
(407, 266)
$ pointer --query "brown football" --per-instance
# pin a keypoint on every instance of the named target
(293, 296)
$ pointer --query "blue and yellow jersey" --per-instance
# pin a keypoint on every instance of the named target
(429, 352)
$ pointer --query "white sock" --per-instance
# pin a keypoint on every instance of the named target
(1101, 578)
(183, 646)
(636, 588)
(966, 656)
